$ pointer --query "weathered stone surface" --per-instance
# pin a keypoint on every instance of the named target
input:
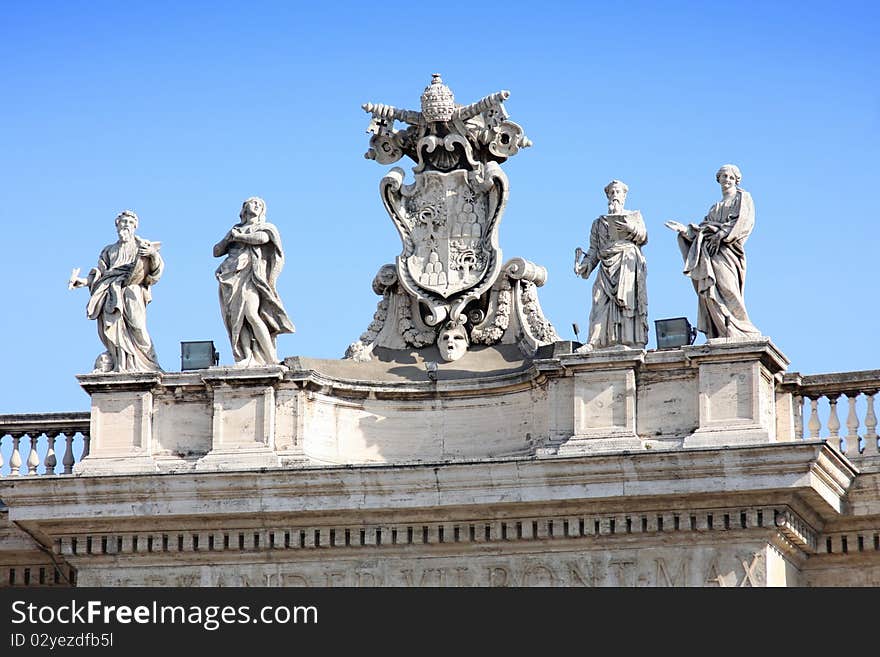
(737, 400)
(121, 423)
(742, 564)
(604, 401)
(23, 563)
(243, 417)
(403, 406)
(647, 519)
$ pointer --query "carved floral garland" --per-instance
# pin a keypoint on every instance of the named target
(379, 318)
(492, 333)
(539, 326)
(407, 328)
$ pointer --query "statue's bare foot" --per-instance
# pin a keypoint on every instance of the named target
(584, 349)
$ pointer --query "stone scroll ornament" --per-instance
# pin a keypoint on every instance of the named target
(449, 286)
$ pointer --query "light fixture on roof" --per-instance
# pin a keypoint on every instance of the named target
(673, 333)
(198, 355)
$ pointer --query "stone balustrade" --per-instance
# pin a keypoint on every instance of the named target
(839, 407)
(43, 443)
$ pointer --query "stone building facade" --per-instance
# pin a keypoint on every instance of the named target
(695, 466)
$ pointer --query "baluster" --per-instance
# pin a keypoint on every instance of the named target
(2, 435)
(814, 425)
(834, 423)
(50, 461)
(15, 458)
(852, 426)
(67, 459)
(871, 425)
(33, 459)
(799, 417)
(86, 442)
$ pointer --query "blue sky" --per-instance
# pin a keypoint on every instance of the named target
(180, 111)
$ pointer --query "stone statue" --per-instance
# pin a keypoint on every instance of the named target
(450, 269)
(251, 308)
(715, 259)
(619, 315)
(120, 287)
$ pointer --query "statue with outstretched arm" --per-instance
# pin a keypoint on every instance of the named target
(120, 287)
(715, 259)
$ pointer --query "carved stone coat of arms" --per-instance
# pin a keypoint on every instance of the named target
(447, 277)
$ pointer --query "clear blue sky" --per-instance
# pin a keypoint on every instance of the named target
(181, 110)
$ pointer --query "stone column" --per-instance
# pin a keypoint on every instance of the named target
(604, 400)
(737, 398)
(121, 424)
(243, 417)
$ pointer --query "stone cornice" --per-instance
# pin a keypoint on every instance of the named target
(312, 379)
(303, 539)
(603, 359)
(810, 470)
(218, 376)
(486, 385)
(116, 381)
(734, 350)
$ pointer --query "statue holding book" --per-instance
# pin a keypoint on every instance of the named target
(120, 286)
(619, 314)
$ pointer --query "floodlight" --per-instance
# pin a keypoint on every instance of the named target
(675, 332)
(198, 355)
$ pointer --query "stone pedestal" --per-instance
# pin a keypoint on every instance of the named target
(604, 400)
(122, 423)
(737, 399)
(317, 412)
(243, 421)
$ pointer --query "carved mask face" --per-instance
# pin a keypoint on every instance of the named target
(453, 343)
